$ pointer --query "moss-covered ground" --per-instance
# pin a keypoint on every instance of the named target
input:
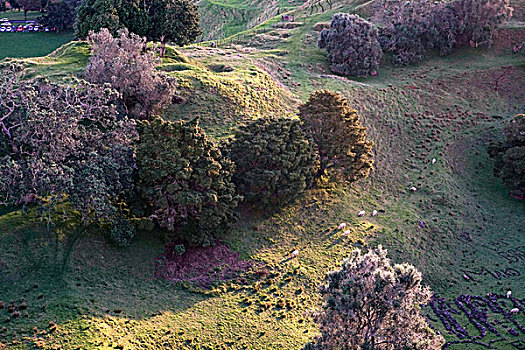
(460, 228)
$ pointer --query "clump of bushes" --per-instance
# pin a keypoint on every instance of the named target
(64, 143)
(371, 304)
(342, 143)
(126, 63)
(186, 180)
(411, 28)
(275, 159)
(352, 45)
(509, 156)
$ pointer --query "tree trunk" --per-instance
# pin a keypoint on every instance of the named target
(162, 46)
(25, 13)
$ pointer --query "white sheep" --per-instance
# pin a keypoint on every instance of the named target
(346, 233)
(361, 213)
(374, 213)
(341, 226)
(295, 253)
(515, 310)
(433, 160)
(413, 189)
(509, 293)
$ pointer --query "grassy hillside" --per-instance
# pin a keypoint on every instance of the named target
(461, 228)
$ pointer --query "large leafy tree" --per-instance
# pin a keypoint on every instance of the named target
(186, 180)
(60, 14)
(126, 63)
(64, 144)
(344, 148)
(352, 45)
(370, 304)
(93, 15)
(174, 21)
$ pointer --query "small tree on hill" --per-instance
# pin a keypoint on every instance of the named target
(371, 305)
(186, 180)
(352, 45)
(275, 159)
(344, 149)
(64, 144)
(173, 21)
(510, 156)
(126, 63)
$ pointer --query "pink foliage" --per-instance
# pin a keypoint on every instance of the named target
(202, 266)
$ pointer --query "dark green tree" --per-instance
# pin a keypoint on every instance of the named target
(174, 21)
(93, 15)
(509, 156)
(186, 180)
(276, 161)
(343, 145)
(60, 14)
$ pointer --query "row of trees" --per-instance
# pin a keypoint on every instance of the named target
(164, 21)
(408, 29)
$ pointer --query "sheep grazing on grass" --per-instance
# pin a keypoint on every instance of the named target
(413, 189)
(433, 160)
(346, 233)
(509, 293)
(295, 253)
(515, 310)
(361, 213)
(374, 213)
(341, 226)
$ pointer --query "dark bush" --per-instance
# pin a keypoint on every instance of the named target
(352, 45)
(186, 180)
(122, 233)
(510, 155)
(344, 149)
(276, 161)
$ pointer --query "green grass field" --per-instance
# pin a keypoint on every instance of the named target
(445, 108)
(17, 45)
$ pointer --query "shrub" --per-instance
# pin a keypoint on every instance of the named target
(128, 65)
(352, 45)
(477, 19)
(342, 143)
(370, 304)
(410, 28)
(63, 143)
(123, 232)
(276, 161)
(186, 180)
(510, 155)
